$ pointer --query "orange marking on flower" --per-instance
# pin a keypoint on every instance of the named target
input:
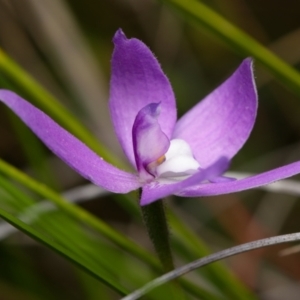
(160, 160)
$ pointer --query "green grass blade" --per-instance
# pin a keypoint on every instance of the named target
(58, 248)
(78, 213)
(238, 40)
(90, 251)
(53, 229)
(192, 243)
(55, 224)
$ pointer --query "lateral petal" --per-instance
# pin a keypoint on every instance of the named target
(254, 181)
(67, 147)
(221, 123)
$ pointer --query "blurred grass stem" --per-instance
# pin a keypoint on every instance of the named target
(238, 40)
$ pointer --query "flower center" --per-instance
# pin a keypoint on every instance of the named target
(177, 164)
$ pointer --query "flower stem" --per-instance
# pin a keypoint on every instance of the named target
(155, 220)
(157, 227)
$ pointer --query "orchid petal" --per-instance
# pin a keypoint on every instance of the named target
(71, 150)
(149, 142)
(137, 80)
(221, 123)
(242, 184)
(158, 190)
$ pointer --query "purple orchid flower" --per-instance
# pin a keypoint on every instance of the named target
(186, 158)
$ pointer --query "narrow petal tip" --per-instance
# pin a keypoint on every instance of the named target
(248, 61)
(247, 66)
(119, 36)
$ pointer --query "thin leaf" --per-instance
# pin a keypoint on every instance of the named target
(238, 40)
(58, 248)
(91, 251)
(217, 274)
(210, 259)
(64, 231)
(79, 214)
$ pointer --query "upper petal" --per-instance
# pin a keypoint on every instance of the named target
(157, 190)
(70, 149)
(137, 80)
(221, 123)
(242, 184)
(149, 142)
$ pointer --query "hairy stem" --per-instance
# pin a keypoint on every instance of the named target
(157, 227)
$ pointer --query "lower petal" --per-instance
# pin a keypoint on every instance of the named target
(157, 190)
(242, 184)
(67, 147)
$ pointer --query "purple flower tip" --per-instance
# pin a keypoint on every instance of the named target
(119, 36)
(247, 63)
